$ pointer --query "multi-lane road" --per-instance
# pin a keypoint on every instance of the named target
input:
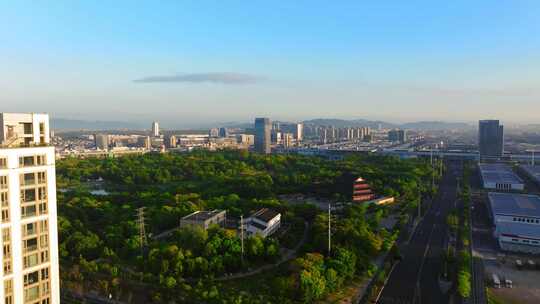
(416, 278)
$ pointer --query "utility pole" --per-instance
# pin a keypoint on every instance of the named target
(329, 228)
(142, 231)
(242, 236)
(432, 173)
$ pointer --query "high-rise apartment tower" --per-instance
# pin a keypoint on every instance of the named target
(28, 203)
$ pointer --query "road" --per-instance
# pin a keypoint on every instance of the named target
(415, 278)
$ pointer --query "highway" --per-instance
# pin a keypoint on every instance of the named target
(414, 280)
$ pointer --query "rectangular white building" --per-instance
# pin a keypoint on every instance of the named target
(30, 272)
(517, 221)
(264, 222)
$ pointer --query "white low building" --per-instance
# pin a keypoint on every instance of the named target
(500, 177)
(517, 221)
(264, 222)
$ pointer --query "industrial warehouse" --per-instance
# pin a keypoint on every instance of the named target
(532, 172)
(500, 177)
(517, 221)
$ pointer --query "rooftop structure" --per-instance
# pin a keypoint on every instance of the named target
(204, 219)
(517, 221)
(24, 129)
(500, 177)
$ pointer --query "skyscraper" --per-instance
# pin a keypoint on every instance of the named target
(30, 272)
(263, 128)
(101, 141)
(490, 138)
(223, 132)
(155, 129)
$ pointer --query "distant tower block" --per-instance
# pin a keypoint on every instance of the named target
(155, 129)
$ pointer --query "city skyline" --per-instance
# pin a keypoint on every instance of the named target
(181, 62)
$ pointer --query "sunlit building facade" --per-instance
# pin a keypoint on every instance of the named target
(30, 268)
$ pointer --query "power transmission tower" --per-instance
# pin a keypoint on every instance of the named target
(142, 231)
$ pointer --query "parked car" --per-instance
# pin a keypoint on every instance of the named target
(496, 281)
(519, 264)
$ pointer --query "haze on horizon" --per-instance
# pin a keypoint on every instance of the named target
(206, 61)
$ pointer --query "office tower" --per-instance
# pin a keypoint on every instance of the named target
(214, 132)
(263, 128)
(101, 141)
(172, 141)
(397, 135)
(155, 129)
(223, 132)
(490, 138)
(30, 272)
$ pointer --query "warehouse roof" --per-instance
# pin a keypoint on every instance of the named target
(499, 173)
(532, 171)
(520, 230)
(202, 215)
(514, 204)
(265, 214)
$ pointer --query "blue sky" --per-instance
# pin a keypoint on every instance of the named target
(186, 62)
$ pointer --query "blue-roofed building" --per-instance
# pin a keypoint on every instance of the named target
(517, 221)
(532, 172)
(500, 177)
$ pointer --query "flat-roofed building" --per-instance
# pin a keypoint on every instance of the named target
(263, 222)
(532, 172)
(517, 221)
(30, 267)
(204, 219)
(500, 177)
(245, 139)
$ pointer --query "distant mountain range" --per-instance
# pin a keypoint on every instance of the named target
(61, 124)
(71, 124)
(421, 125)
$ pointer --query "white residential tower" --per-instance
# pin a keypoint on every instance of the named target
(30, 272)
